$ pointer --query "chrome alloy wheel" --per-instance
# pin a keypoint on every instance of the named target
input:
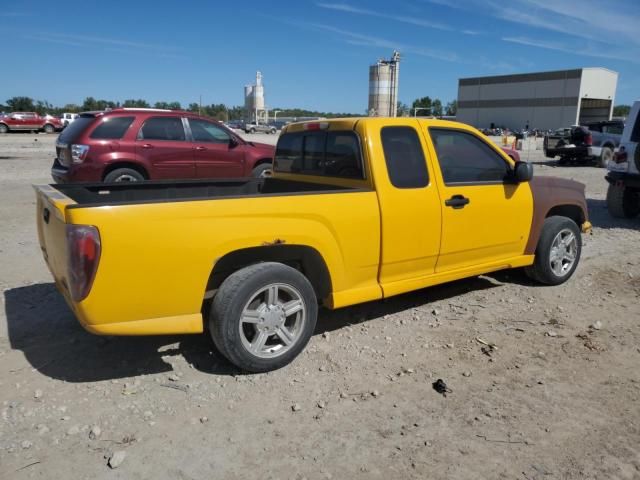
(272, 320)
(126, 178)
(563, 252)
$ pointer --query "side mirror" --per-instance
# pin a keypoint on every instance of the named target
(233, 142)
(523, 172)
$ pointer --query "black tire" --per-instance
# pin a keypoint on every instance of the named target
(48, 128)
(623, 202)
(606, 155)
(541, 270)
(232, 297)
(273, 130)
(563, 161)
(4, 128)
(124, 175)
(253, 130)
(260, 170)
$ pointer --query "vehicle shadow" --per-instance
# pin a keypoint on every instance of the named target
(600, 217)
(42, 327)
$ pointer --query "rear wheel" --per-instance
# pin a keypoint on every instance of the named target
(253, 130)
(263, 316)
(623, 202)
(4, 128)
(605, 157)
(558, 251)
(124, 175)
(273, 130)
(48, 128)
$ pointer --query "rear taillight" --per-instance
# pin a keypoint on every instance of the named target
(83, 243)
(588, 140)
(79, 153)
(620, 156)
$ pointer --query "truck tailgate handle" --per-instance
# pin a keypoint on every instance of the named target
(45, 215)
(457, 201)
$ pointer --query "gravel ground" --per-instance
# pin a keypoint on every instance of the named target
(558, 398)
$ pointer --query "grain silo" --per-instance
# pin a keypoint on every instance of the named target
(254, 101)
(383, 87)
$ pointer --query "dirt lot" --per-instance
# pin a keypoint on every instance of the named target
(557, 399)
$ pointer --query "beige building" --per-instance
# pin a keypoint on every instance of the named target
(545, 100)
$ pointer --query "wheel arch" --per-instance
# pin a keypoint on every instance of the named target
(303, 258)
(574, 212)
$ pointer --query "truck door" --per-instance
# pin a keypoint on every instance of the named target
(485, 217)
(409, 207)
(215, 155)
(162, 144)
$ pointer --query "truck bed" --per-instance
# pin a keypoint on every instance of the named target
(97, 194)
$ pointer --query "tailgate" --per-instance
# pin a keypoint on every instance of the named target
(50, 218)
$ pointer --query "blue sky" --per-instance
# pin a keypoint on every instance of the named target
(313, 54)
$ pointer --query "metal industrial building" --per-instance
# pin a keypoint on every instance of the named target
(545, 100)
(383, 87)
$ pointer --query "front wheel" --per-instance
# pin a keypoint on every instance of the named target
(48, 128)
(263, 316)
(558, 251)
(605, 157)
(253, 130)
(262, 170)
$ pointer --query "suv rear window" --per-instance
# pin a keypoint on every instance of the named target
(329, 154)
(111, 128)
(75, 129)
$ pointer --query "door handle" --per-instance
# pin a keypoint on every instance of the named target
(457, 201)
(147, 145)
(200, 149)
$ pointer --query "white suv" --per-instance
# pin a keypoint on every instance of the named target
(623, 195)
(68, 118)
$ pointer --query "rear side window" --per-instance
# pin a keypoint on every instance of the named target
(332, 154)
(404, 157)
(111, 128)
(75, 129)
(635, 134)
(464, 158)
(162, 128)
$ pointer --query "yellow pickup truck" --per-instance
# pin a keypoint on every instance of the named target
(356, 210)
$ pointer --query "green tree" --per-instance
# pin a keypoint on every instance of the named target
(21, 104)
(436, 107)
(424, 104)
(403, 109)
(452, 107)
(91, 104)
(139, 103)
(621, 110)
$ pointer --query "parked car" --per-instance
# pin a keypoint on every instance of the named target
(357, 210)
(259, 127)
(124, 145)
(591, 142)
(29, 121)
(235, 124)
(68, 118)
(623, 194)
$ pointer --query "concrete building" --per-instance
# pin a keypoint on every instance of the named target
(383, 87)
(545, 100)
(254, 106)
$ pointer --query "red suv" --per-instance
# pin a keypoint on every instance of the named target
(126, 145)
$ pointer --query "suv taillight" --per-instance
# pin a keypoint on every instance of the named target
(83, 244)
(620, 156)
(79, 153)
(588, 140)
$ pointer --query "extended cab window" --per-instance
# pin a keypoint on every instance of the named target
(207, 132)
(162, 128)
(333, 154)
(464, 158)
(404, 157)
(111, 128)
